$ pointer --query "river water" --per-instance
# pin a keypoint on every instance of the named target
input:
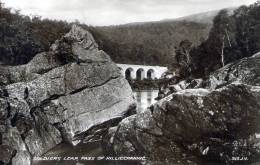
(145, 98)
(64, 151)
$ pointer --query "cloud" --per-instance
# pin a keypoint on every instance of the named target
(108, 12)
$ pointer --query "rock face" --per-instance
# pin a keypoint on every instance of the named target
(217, 124)
(246, 71)
(59, 96)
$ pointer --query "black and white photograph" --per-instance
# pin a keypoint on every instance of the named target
(129, 82)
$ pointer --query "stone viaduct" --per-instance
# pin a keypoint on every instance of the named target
(141, 72)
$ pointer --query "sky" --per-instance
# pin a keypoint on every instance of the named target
(114, 12)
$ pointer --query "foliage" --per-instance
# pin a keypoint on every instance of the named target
(148, 43)
(232, 37)
(183, 58)
(21, 37)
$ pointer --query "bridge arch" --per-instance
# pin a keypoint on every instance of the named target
(140, 74)
(150, 74)
(129, 73)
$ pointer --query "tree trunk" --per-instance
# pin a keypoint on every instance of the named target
(228, 38)
(222, 51)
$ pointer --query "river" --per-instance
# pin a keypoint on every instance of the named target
(144, 99)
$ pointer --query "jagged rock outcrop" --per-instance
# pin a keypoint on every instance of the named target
(59, 96)
(219, 123)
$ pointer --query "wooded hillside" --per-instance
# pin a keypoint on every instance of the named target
(147, 43)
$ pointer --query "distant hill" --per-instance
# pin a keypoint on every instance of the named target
(204, 17)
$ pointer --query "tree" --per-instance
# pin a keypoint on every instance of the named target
(232, 37)
(183, 57)
(21, 37)
(220, 33)
(254, 28)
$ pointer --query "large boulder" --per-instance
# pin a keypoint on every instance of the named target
(12, 138)
(246, 70)
(217, 124)
(60, 96)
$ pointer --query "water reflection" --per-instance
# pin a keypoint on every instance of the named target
(145, 98)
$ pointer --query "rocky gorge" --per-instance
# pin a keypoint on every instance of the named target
(75, 93)
(72, 93)
(215, 120)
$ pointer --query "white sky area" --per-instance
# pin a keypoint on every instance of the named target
(112, 12)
